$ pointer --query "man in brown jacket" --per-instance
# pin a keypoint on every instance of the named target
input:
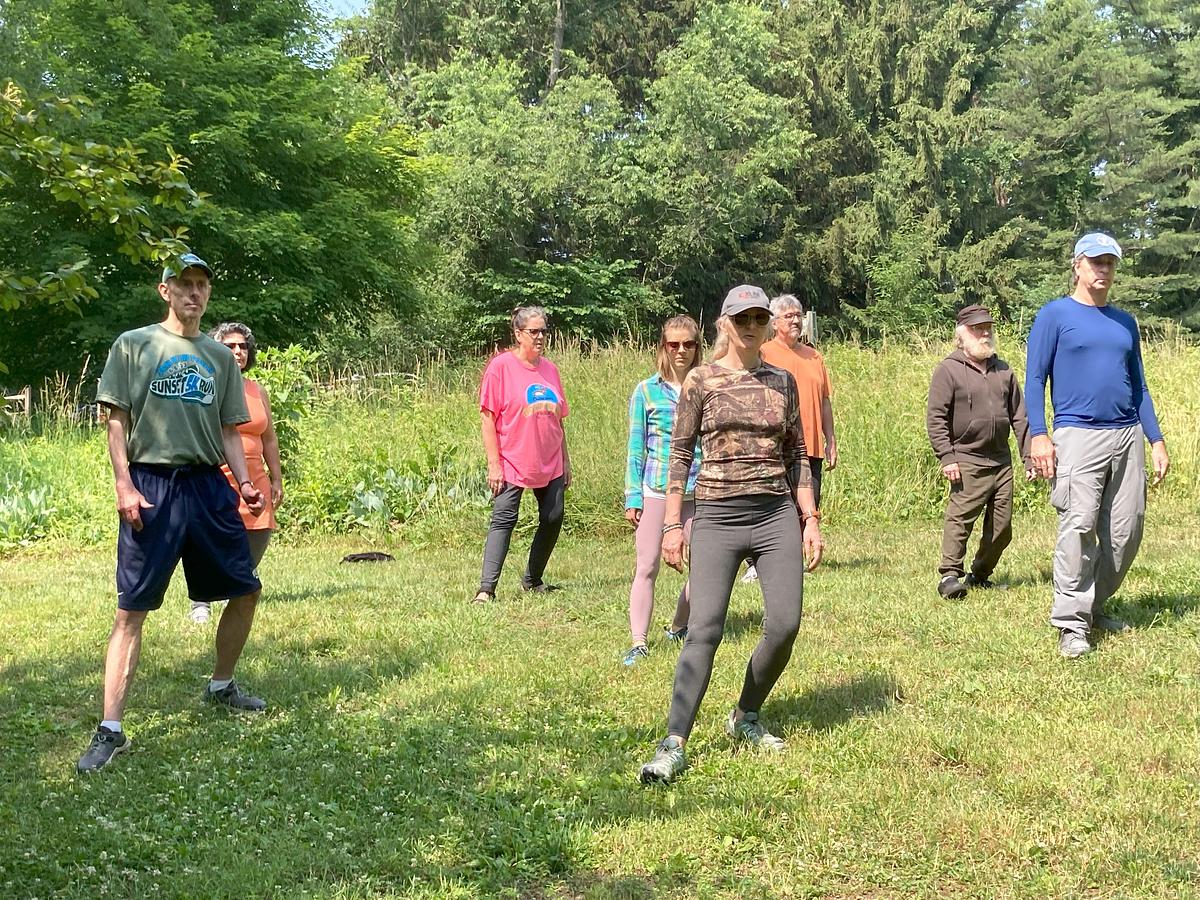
(974, 401)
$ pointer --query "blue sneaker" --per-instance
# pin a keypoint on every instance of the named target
(636, 652)
(674, 637)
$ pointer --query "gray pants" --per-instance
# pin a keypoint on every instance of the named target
(765, 529)
(505, 506)
(1099, 490)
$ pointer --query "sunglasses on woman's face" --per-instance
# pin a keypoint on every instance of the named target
(676, 346)
(236, 345)
(536, 332)
(761, 318)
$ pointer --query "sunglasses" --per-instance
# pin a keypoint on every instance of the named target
(236, 345)
(536, 332)
(760, 318)
(676, 346)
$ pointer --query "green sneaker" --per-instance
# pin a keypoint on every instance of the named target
(750, 731)
(668, 763)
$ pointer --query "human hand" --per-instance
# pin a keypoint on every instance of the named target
(276, 494)
(1159, 461)
(1041, 451)
(566, 475)
(814, 547)
(255, 501)
(130, 504)
(952, 472)
(495, 478)
(673, 549)
(831, 455)
(1030, 474)
(633, 516)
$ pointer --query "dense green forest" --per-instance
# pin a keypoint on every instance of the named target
(396, 182)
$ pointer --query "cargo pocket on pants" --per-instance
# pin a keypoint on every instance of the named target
(1060, 489)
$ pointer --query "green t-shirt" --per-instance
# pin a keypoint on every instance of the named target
(179, 391)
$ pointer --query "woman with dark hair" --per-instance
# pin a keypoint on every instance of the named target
(260, 445)
(651, 419)
(754, 499)
(521, 407)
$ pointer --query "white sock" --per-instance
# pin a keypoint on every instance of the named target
(111, 724)
(214, 685)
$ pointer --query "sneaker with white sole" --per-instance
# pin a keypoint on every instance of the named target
(200, 613)
(674, 637)
(105, 745)
(751, 575)
(668, 763)
(634, 654)
(749, 730)
(1072, 644)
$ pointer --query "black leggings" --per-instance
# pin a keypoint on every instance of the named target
(764, 528)
(505, 507)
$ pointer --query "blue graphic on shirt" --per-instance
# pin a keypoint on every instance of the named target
(185, 377)
(540, 398)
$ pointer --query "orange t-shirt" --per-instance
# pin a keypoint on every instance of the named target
(812, 385)
(256, 467)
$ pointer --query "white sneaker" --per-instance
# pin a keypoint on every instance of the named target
(750, 576)
(1073, 645)
(200, 613)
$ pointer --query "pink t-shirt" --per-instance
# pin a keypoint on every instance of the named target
(528, 405)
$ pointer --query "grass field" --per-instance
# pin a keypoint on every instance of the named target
(421, 746)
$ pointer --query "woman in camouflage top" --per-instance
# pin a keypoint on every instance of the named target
(752, 493)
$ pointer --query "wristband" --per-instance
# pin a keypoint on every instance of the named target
(672, 527)
(815, 514)
(247, 481)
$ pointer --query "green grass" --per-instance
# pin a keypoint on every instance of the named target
(421, 746)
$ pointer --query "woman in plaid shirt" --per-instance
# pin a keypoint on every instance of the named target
(651, 418)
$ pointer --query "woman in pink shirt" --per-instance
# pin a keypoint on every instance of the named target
(521, 408)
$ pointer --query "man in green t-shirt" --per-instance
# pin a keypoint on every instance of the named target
(175, 398)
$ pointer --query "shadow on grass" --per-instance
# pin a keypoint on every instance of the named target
(1036, 576)
(1155, 609)
(829, 707)
(846, 565)
(316, 593)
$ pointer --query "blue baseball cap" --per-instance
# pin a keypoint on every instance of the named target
(188, 260)
(1097, 244)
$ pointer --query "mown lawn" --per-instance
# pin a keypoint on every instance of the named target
(421, 746)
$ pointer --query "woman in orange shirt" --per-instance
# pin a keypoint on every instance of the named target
(260, 445)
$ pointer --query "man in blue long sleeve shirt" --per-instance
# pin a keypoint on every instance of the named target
(1096, 463)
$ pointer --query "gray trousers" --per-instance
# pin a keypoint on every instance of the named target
(766, 530)
(983, 489)
(505, 507)
(1099, 490)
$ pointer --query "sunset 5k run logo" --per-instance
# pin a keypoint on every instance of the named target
(540, 398)
(187, 378)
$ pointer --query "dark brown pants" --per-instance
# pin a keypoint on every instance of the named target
(983, 489)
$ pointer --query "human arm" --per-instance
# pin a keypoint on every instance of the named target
(937, 421)
(1039, 357)
(795, 458)
(235, 458)
(688, 416)
(566, 457)
(831, 450)
(491, 447)
(271, 452)
(635, 457)
(130, 501)
(1159, 459)
(1019, 421)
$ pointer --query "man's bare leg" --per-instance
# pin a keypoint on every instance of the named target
(120, 663)
(232, 632)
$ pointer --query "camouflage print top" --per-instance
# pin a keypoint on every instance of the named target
(750, 434)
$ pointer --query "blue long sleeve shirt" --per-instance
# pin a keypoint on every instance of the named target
(651, 421)
(1093, 358)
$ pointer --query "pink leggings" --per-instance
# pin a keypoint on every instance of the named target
(648, 543)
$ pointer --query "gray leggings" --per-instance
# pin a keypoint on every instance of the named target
(505, 507)
(764, 528)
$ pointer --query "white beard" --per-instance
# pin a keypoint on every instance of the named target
(979, 349)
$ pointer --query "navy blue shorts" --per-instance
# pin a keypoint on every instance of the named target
(194, 518)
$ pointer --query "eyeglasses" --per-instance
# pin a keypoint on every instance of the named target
(236, 345)
(791, 315)
(761, 318)
(535, 332)
(676, 346)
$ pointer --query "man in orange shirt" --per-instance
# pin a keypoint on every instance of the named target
(786, 351)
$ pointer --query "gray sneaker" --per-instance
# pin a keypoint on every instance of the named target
(100, 752)
(668, 763)
(1110, 624)
(200, 612)
(750, 731)
(232, 696)
(1072, 644)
